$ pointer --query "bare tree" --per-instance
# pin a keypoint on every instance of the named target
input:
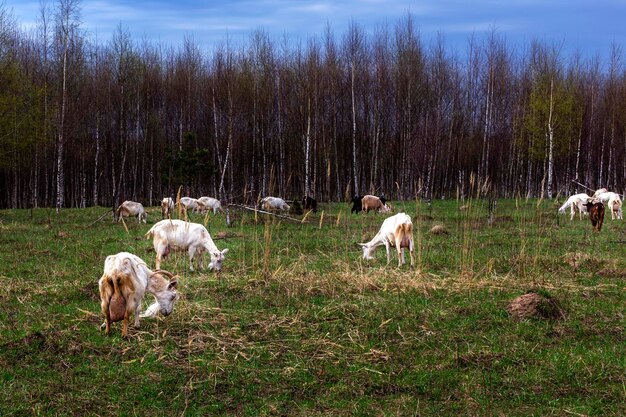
(67, 22)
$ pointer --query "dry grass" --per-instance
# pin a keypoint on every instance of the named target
(438, 229)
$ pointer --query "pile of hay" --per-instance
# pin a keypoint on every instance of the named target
(438, 229)
(533, 304)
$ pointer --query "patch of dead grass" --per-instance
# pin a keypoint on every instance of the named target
(438, 229)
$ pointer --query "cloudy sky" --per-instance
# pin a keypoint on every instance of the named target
(592, 26)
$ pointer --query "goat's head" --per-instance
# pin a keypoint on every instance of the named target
(166, 295)
(217, 258)
(367, 251)
(591, 202)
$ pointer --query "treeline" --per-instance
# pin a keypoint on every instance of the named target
(86, 121)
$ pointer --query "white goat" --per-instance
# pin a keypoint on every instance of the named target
(188, 203)
(167, 205)
(612, 201)
(598, 192)
(131, 208)
(210, 203)
(274, 203)
(577, 201)
(396, 231)
(125, 280)
(179, 235)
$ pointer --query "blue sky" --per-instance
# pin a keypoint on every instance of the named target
(592, 26)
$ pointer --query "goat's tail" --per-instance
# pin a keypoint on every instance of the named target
(150, 232)
(116, 287)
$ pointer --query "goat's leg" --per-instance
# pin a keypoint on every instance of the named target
(192, 251)
(125, 323)
(388, 253)
(411, 252)
(107, 317)
(162, 250)
(398, 242)
(137, 313)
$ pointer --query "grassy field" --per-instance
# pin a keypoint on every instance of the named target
(299, 325)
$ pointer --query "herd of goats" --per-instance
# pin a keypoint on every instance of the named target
(594, 206)
(127, 278)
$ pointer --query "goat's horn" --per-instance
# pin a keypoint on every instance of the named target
(164, 272)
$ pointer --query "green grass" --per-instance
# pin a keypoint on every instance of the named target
(300, 325)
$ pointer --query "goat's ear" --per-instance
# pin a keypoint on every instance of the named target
(172, 285)
(225, 251)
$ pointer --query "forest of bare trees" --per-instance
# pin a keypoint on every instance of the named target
(87, 121)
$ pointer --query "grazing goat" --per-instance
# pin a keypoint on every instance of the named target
(356, 204)
(371, 202)
(131, 208)
(210, 203)
(396, 231)
(599, 191)
(309, 203)
(167, 205)
(274, 203)
(188, 203)
(577, 201)
(596, 214)
(612, 201)
(125, 280)
(168, 235)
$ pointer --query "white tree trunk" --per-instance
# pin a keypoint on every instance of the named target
(354, 165)
(550, 141)
(61, 141)
(307, 153)
(228, 146)
(95, 169)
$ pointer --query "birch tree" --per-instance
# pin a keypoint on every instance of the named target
(67, 23)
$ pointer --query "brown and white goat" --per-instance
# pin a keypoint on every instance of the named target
(131, 208)
(188, 203)
(210, 203)
(596, 214)
(167, 206)
(274, 203)
(168, 235)
(396, 231)
(371, 202)
(612, 201)
(598, 192)
(125, 280)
